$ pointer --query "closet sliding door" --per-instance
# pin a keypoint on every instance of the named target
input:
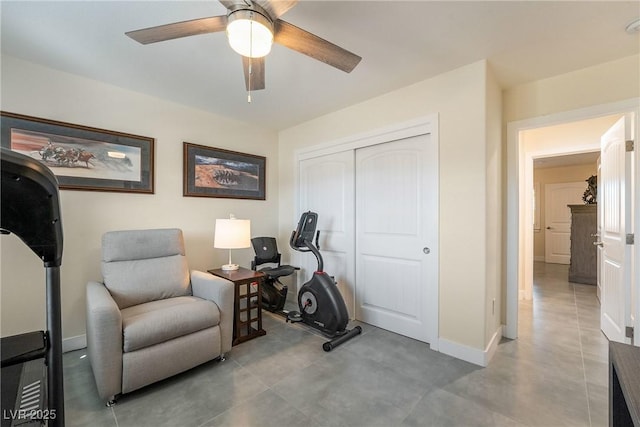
(396, 261)
(377, 201)
(327, 187)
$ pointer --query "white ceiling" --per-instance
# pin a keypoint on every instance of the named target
(401, 42)
(568, 160)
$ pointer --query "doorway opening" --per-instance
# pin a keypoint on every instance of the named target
(523, 146)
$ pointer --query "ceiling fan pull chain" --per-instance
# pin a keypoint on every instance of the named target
(250, 76)
(250, 57)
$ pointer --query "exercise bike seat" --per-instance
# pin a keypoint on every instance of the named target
(274, 292)
(276, 272)
(266, 250)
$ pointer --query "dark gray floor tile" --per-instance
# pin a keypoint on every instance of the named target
(598, 404)
(344, 389)
(189, 399)
(83, 407)
(441, 408)
(266, 410)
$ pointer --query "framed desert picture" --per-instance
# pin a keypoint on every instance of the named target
(213, 172)
(81, 157)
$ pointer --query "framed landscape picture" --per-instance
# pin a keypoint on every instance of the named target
(213, 172)
(81, 157)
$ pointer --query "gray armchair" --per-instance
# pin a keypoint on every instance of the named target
(151, 319)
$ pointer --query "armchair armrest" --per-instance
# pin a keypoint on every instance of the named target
(104, 340)
(220, 291)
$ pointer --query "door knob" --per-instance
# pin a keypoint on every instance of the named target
(426, 250)
(549, 228)
(595, 235)
(598, 244)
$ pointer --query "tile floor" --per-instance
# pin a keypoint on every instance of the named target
(555, 374)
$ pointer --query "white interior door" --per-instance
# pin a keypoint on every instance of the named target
(598, 235)
(557, 219)
(615, 188)
(396, 228)
(326, 187)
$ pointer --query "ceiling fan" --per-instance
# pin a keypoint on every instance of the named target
(252, 26)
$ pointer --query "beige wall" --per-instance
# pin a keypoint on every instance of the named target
(578, 173)
(34, 90)
(459, 98)
(494, 162)
(601, 84)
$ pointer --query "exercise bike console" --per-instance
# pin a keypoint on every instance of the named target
(321, 305)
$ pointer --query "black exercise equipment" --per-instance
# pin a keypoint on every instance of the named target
(274, 292)
(32, 382)
(321, 305)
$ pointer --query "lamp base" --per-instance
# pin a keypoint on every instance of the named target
(230, 267)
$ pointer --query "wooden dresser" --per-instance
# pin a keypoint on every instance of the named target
(584, 264)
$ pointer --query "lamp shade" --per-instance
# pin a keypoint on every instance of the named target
(250, 34)
(232, 234)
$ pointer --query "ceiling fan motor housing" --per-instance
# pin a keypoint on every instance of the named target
(250, 32)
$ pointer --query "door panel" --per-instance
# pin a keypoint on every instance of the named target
(326, 187)
(598, 235)
(558, 219)
(615, 187)
(395, 213)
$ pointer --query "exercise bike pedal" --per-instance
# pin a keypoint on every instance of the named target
(294, 317)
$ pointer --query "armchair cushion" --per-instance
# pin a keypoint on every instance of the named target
(144, 265)
(140, 281)
(155, 322)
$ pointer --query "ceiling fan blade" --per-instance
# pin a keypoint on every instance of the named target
(179, 29)
(254, 73)
(229, 4)
(311, 45)
(276, 8)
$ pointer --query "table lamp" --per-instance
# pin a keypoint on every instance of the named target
(230, 234)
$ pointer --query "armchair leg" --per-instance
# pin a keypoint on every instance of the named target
(111, 402)
(222, 358)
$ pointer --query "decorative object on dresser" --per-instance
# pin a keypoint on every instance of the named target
(583, 267)
(590, 195)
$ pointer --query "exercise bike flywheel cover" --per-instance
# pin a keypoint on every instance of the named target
(308, 302)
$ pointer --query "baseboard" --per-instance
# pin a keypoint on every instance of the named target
(74, 343)
(490, 351)
(470, 354)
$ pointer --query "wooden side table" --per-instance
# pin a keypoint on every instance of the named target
(247, 305)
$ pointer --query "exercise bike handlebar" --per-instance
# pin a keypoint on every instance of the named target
(300, 240)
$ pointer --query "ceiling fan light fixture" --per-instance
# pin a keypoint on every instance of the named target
(250, 33)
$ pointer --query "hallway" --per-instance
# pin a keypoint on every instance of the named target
(560, 329)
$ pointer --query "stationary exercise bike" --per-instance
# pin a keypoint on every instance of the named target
(321, 305)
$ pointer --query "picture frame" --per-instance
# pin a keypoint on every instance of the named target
(214, 172)
(82, 157)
